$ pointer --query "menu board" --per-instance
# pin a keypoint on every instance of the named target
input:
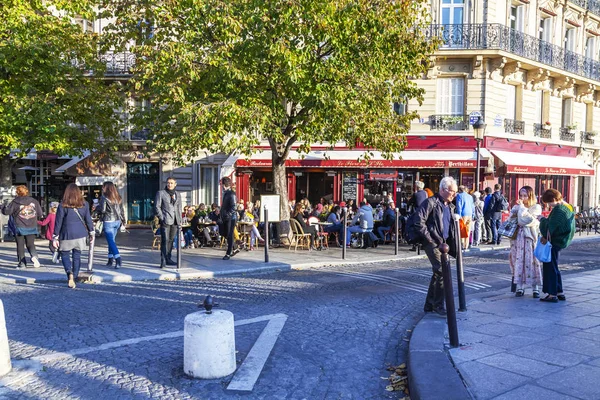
(468, 179)
(350, 186)
(273, 202)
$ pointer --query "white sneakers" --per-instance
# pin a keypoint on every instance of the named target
(36, 262)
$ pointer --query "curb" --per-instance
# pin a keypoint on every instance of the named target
(431, 373)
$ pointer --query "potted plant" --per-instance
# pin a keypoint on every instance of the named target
(572, 127)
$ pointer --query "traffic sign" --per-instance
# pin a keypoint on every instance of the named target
(473, 117)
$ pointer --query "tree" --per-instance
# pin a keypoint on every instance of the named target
(226, 74)
(52, 95)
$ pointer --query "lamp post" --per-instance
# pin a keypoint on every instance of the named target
(479, 132)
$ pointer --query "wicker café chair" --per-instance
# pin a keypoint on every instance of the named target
(299, 238)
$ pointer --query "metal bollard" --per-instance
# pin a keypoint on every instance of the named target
(344, 233)
(266, 235)
(460, 276)
(397, 231)
(178, 246)
(449, 295)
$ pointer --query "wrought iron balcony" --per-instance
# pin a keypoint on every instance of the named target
(542, 131)
(449, 122)
(593, 6)
(566, 134)
(502, 37)
(514, 126)
(587, 137)
(120, 63)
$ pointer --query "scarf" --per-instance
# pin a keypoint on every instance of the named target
(173, 195)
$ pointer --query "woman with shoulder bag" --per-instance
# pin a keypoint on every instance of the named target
(113, 218)
(558, 229)
(73, 226)
(525, 268)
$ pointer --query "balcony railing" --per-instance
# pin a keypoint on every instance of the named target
(502, 37)
(449, 122)
(120, 63)
(587, 137)
(542, 131)
(514, 126)
(566, 134)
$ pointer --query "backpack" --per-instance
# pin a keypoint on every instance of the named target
(502, 204)
(411, 233)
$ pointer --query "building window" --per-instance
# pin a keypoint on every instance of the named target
(209, 184)
(570, 37)
(517, 18)
(546, 30)
(453, 12)
(400, 108)
(590, 47)
(539, 107)
(567, 112)
(511, 102)
(450, 96)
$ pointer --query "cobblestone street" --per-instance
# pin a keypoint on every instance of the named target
(344, 324)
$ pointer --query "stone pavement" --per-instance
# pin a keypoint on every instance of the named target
(516, 347)
(140, 262)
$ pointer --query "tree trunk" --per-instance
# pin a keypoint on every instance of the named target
(5, 173)
(280, 186)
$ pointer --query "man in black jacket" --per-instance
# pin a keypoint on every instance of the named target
(167, 207)
(494, 213)
(436, 226)
(229, 217)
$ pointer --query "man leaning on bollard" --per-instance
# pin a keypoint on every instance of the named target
(435, 226)
(167, 207)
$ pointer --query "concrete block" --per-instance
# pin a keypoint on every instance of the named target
(5, 365)
(209, 344)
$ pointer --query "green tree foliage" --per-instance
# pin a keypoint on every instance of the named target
(52, 95)
(224, 74)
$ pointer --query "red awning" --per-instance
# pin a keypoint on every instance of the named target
(350, 159)
(540, 164)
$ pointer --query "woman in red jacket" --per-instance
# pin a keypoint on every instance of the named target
(49, 221)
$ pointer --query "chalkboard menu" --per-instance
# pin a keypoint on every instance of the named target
(350, 186)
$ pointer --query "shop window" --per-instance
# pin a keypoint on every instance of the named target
(209, 184)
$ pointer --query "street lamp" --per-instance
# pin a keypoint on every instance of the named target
(479, 133)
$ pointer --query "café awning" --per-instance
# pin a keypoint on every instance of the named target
(540, 164)
(352, 159)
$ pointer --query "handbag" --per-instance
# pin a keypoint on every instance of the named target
(509, 228)
(87, 237)
(543, 252)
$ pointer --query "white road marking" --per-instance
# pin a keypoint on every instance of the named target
(472, 285)
(247, 374)
(413, 287)
(478, 271)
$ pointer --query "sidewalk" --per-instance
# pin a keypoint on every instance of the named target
(513, 348)
(140, 262)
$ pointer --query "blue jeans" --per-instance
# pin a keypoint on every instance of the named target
(496, 220)
(383, 230)
(111, 228)
(351, 230)
(66, 261)
(188, 236)
(552, 281)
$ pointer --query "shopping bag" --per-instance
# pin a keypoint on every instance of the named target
(543, 251)
(464, 231)
(509, 228)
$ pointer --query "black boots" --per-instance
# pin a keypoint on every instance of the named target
(117, 262)
(109, 262)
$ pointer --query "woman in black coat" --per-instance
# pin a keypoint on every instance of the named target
(299, 216)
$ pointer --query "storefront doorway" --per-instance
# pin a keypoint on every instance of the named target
(314, 185)
(142, 185)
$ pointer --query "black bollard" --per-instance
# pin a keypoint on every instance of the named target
(449, 295)
(397, 231)
(266, 235)
(344, 221)
(460, 276)
(178, 246)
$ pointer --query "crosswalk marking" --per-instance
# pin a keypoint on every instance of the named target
(375, 278)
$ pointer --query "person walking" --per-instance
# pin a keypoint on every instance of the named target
(435, 227)
(73, 225)
(525, 268)
(167, 207)
(477, 219)
(50, 221)
(487, 217)
(465, 209)
(495, 208)
(25, 211)
(229, 216)
(559, 229)
(111, 211)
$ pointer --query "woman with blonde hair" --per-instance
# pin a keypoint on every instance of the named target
(251, 216)
(526, 269)
(25, 211)
(113, 217)
(73, 225)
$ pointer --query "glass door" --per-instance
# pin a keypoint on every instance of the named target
(142, 185)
